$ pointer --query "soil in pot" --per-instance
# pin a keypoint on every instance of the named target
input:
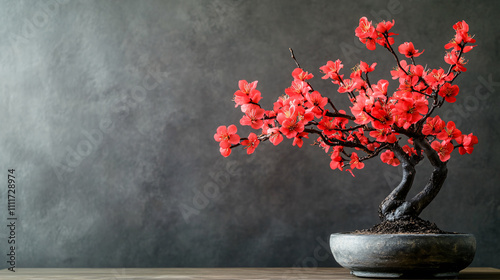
(404, 226)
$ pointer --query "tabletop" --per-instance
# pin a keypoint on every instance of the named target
(296, 273)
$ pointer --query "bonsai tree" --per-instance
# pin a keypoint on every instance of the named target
(401, 128)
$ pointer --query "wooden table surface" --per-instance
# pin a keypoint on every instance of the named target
(207, 273)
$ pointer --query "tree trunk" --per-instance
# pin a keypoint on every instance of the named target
(395, 206)
(436, 181)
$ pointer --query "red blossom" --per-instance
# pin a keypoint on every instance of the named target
(462, 33)
(461, 26)
(251, 143)
(301, 75)
(227, 136)
(409, 50)
(360, 134)
(253, 117)
(327, 125)
(366, 33)
(357, 79)
(453, 44)
(298, 89)
(443, 149)
(383, 135)
(380, 89)
(467, 143)
(347, 86)
(225, 152)
(449, 92)
(409, 150)
(355, 163)
(437, 77)
(433, 126)
(449, 132)
(297, 140)
(383, 114)
(458, 42)
(365, 29)
(316, 103)
(290, 110)
(247, 94)
(362, 118)
(398, 72)
(458, 63)
(417, 70)
(389, 158)
(385, 26)
(291, 127)
(274, 134)
(371, 44)
(331, 69)
(336, 160)
(410, 109)
(367, 68)
(330, 125)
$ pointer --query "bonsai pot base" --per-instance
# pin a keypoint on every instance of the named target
(401, 275)
(403, 255)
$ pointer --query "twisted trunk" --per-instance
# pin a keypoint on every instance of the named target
(395, 206)
(436, 181)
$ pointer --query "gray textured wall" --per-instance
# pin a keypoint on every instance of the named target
(109, 108)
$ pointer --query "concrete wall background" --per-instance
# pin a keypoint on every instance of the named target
(109, 108)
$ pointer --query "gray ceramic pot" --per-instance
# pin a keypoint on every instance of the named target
(403, 255)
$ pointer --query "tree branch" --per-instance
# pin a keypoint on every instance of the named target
(338, 142)
(339, 115)
(389, 48)
(294, 59)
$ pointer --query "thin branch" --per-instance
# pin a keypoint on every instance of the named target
(333, 106)
(294, 59)
(376, 152)
(368, 81)
(338, 142)
(364, 127)
(262, 138)
(389, 47)
(298, 66)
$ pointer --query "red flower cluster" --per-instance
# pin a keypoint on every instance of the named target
(371, 36)
(380, 119)
(226, 136)
(458, 46)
